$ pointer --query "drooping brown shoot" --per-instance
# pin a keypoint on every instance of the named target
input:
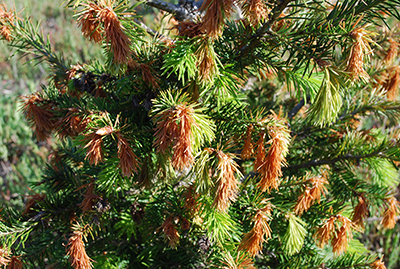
(338, 230)
(392, 52)
(77, 253)
(390, 214)
(6, 22)
(95, 145)
(39, 114)
(174, 130)
(170, 231)
(247, 151)
(391, 85)
(311, 194)
(360, 49)
(99, 19)
(360, 212)
(271, 168)
(255, 11)
(227, 182)
(253, 241)
(15, 263)
(89, 199)
(128, 161)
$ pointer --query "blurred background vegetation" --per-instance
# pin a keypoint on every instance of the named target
(22, 157)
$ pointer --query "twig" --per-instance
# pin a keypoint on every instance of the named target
(168, 7)
(256, 38)
(152, 32)
(3, 234)
(185, 10)
(359, 110)
(314, 163)
(296, 109)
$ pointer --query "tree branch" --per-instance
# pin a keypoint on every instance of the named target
(152, 32)
(255, 39)
(359, 110)
(185, 10)
(314, 163)
(296, 109)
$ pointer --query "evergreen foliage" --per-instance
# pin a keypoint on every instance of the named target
(250, 134)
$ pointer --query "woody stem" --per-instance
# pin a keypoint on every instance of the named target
(314, 163)
(255, 39)
(185, 10)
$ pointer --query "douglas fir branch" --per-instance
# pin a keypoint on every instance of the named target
(228, 134)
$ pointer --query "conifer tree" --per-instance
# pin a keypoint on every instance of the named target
(249, 134)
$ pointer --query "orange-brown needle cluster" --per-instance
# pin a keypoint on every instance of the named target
(99, 19)
(95, 145)
(174, 129)
(71, 124)
(253, 241)
(378, 264)
(338, 230)
(392, 83)
(6, 21)
(392, 52)
(255, 11)
(128, 161)
(215, 12)
(206, 60)
(39, 114)
(247, 151)
(15, 263)
(360, 212)
(311, 194)
(4, 256)
(89, 199)
(270, 167)
(227, 182)
(77, 253)
(359, 50)
(170, 231)
(391, 213)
